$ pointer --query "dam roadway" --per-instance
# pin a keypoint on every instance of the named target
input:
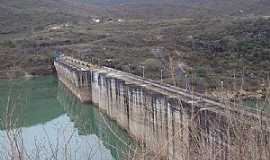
(195, 99)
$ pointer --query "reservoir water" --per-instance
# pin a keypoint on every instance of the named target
(41, 119)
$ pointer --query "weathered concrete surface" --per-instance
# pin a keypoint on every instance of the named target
(77, 81)
(147, 115)
(158, 116)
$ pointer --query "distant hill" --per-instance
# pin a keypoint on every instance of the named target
(176, 8)
(21, 15)
(24, 15)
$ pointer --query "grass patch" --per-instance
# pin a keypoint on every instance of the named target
(7, 44)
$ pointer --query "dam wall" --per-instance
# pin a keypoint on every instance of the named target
(77, 81)
(149, 117)
(158, 119)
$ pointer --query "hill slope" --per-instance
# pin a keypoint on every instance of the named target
(184, 8)
(210, 37)
(19, 16)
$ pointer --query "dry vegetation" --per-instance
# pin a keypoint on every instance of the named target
(216, 136)
(230, 43)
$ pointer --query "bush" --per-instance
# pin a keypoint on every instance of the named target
(200, 71)
(152, 64)
(7, 44)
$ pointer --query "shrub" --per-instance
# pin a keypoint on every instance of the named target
(7, 44)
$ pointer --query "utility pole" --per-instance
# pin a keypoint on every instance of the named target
(143, 71)
(161, 75)
(129, 70)
(234, 81)
(172, 69)
(222, 91)
(242, 79)
(222, 86)
(186, 82)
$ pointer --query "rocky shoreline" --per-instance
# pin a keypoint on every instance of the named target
(27, 72)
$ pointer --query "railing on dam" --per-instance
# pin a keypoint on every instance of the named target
(160, 116)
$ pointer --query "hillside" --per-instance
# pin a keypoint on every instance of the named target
(30, 15)
(19, 16)
(184, 8)
(208, 40)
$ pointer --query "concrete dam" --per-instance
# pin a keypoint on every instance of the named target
(162, 118)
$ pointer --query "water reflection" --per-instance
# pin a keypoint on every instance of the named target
(33, 101)
(89, 120)
(53, 124)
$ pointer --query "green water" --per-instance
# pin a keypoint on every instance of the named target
(261, 105)
(51, 123)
